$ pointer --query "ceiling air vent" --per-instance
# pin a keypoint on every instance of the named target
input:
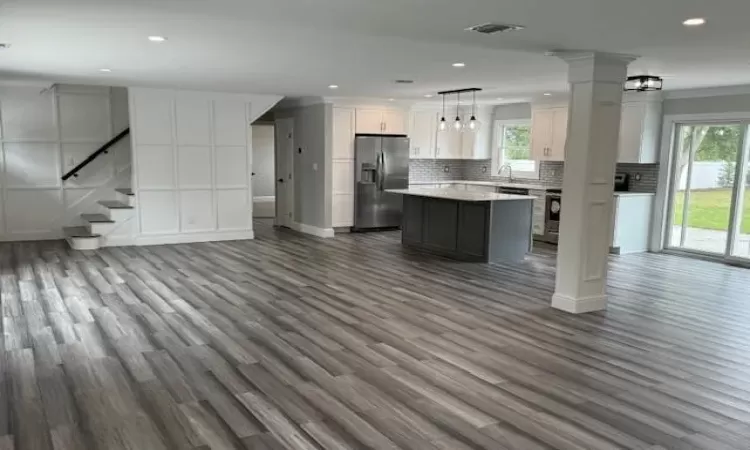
(404, 81)
(492, 28)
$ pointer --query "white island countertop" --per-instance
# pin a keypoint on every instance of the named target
(529, 186)
(463, 196)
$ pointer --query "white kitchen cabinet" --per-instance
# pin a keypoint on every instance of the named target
(640, 129)
(369, 121)
(549, 131)
(394, 122)
(631, 222)
(422, 134)
(478, 144)
(448, 145)
(343, 167)
(468, 141)
(380, 121)
(559, 134)
(541, 136)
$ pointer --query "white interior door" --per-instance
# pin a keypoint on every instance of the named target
(284, 172)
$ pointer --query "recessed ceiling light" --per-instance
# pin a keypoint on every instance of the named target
(157, 38)
(105, 70)
(428, 95)
(547, 94)
(459, 65)
(694, 22)
(391, 99)
(500, 98)
(333, 86)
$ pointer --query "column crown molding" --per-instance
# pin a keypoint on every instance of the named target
(591, 66)
(570, 56)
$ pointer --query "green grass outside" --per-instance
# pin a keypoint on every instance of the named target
(710, 209)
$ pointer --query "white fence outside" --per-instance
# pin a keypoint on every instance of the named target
(706, 175)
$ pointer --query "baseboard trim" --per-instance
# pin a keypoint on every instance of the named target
(579, 305)
(187, 238)
(315, 231)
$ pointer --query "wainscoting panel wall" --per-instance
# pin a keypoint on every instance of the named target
(46, 131)
(193, 159)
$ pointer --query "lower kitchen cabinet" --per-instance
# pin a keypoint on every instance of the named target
(631, 217)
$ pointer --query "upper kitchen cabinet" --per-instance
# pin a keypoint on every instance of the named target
(640, 129)
(478, 144)
(449, 144)
(380, 121)
(422, 134)
(549, 130)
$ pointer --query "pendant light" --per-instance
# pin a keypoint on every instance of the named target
(458, 125)
(474, 124)
(443, 124)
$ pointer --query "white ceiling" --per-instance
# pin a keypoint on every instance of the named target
(299, 47)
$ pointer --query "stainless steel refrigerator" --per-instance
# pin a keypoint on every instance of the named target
(381, 162)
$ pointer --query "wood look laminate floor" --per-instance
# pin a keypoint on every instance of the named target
(290, 342)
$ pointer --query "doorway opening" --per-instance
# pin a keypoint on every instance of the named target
(709, 198)
(264, 186)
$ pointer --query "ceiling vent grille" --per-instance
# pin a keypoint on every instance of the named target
(404, 81)
(492, 28)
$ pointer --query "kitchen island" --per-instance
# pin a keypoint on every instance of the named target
(466, 225)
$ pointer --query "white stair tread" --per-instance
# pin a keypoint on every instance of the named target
(113, 204)
(78, 232)
(96, 218)
(125, 191)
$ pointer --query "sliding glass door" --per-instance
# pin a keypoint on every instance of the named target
(708, 213)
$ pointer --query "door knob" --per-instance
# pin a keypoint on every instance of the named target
(281, 180)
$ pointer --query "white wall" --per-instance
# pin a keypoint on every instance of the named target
(192, 164)
(46, 132)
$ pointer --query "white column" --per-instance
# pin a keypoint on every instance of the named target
(596, 85)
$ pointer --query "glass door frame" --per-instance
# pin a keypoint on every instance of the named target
(738, 188)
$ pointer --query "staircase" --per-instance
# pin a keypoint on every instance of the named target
(111, 215)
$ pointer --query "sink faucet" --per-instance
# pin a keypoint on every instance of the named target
(510, 171)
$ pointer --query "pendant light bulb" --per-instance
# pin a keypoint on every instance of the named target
(458, 125)
(474, 124)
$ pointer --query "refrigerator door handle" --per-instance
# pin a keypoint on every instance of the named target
(381, 170)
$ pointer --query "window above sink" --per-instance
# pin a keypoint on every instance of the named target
(512, 148)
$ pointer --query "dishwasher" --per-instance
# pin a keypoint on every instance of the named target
(513, 191)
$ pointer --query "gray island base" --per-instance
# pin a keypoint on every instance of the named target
(467, 226)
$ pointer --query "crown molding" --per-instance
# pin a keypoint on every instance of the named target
(717, 91)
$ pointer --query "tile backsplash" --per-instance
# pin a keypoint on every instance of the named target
(549, 172)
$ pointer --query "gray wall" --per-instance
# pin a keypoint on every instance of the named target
(707, 105)
(313, 129)
(263, 161)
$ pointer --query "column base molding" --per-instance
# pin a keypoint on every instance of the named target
(579, 305)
